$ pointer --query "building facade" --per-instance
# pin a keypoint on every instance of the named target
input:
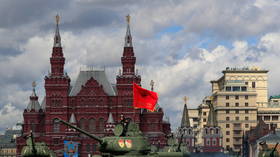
(8, 143)
(92, 103)
(240, 100)
(236, 98)
(185, 133)
(212, 136)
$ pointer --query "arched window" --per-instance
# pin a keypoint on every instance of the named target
(88, 148)
(32, 126)
(101, 124)
(214, 142)
(92, 125)
(208, 142)
(217, 130)
(211, 131)
(82, 123)
(56, 125)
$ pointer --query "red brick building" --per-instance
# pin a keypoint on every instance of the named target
(92, 103)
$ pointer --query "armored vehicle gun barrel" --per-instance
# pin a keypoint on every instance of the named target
(82, 131)
(128, 140)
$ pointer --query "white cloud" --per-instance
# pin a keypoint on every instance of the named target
(9, 116)
(173, 60)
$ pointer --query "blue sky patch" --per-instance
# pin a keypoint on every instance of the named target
(168, 30)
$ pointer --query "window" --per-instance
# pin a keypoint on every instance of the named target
(236, 111)
(266, 118)
(227, 140)
(32, 126)
(236, 88)
(208, 142)
(227, 118)
(227, 132)
(227, 111)
(92, 125)
(243, 88)
(246, 83)
(227, 125)
(246, 111)
(253, 84)
(236, 118)
(94, 146)
(204, 113)
(246, 125)
(236, 97)
(204, 119)
(213, 142)
(101, 124)
(56, 126)
(237, 104)
(274, 117)
(227, 97)
(55, 140)
(246, 104)
(88, 148)
(246, 97)
(227, 104)
(246, 118)
(228, 88)
(82, 123)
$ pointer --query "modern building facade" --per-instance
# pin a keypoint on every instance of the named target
(240, 100)
(270, 113)
(236, 98)
(92, 103)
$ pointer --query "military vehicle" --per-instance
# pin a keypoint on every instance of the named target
(128, 141)
(38, 149)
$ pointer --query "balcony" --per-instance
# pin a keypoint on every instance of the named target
(235, 142)
(238, 128)
(237, 135)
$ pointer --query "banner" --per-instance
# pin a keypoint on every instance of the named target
(71, 149)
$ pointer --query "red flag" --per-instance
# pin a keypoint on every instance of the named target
(143, 98)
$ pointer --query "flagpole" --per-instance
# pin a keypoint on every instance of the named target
(134, 109)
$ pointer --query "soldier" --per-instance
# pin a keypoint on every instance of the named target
(124, 121)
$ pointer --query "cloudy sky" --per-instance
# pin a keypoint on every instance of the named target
(180, 44)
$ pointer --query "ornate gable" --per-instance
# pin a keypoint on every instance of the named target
(92, 88)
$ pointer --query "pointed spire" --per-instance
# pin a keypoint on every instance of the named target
(72, 119)
(128, 37)
(33, 86)
(152, 83)
(110, 119)
(33, 102)
(185, 118)
(57, 39)
(212, 121)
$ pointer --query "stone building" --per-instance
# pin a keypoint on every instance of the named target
(92, 103)
(270, 113)
(8, 143)
(236, 98)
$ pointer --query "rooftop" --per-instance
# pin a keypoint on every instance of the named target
(252, 69)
